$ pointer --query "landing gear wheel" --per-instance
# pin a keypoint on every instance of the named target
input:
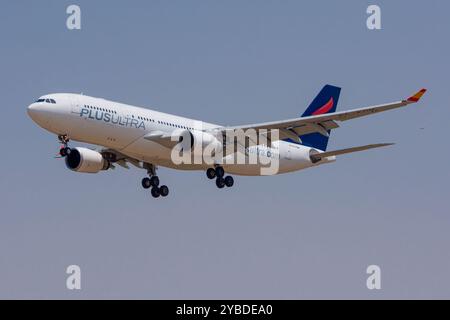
(229, 181)
(164, 191)
(154, 181)
(64, 151)
(146, 183)
(220, 182)
(155, 192)
(211, 173)
(220, 172)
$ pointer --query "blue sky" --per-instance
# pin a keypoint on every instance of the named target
(309, 234)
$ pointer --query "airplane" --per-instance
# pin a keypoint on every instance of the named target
(142, 137)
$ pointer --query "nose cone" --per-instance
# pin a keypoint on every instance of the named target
(33, 111)
(38, 113)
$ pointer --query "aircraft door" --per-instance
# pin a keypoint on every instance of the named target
(75, 105)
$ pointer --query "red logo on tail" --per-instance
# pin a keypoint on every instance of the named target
(325, 108)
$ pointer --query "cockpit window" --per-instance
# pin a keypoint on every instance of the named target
(52, 101)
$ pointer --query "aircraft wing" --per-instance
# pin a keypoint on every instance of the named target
(119, 158)
(293, 128)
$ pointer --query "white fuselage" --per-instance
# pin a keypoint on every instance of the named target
(123, 127)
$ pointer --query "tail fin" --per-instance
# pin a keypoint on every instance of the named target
(325, 102)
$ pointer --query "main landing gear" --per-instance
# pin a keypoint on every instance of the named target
(153, 182)
(218, 173)
(64, 150)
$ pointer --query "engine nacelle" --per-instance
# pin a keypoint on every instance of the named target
(86, 160)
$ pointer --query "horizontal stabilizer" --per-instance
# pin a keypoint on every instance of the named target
(319, 156)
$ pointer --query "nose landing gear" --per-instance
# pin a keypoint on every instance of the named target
(64, 150)
(219, 173)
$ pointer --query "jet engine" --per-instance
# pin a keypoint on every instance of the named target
(86, 161)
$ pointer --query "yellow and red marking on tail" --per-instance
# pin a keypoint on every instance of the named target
(417, 96)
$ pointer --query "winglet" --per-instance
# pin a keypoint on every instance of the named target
(416, 97)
